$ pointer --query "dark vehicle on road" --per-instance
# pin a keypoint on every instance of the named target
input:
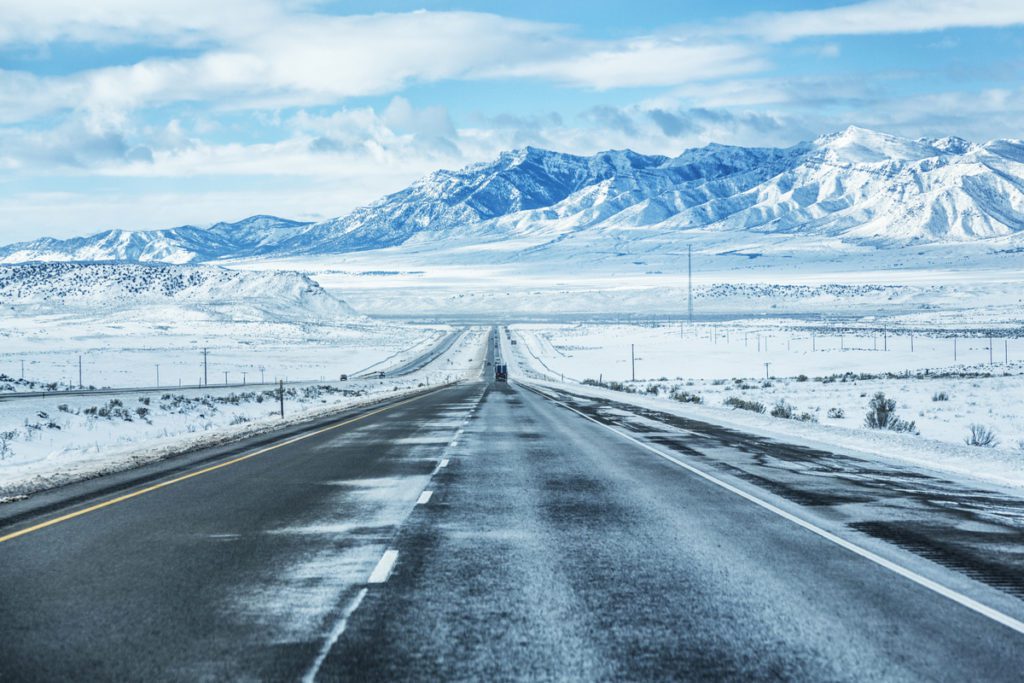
(381, 375)
(500, 373)
(343, 378)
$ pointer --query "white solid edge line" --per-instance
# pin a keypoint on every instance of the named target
(333, 636)
(424, 498)
(934, 586)
(382, 572)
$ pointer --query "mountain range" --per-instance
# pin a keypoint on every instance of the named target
(857, 187)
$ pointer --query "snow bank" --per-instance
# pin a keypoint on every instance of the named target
(47, 442)
(966, 395)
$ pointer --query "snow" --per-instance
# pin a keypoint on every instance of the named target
(821, 254)
(716, 362)
(857, 187)
(59, 439)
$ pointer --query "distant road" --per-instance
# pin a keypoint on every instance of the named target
(493, 531)
(419, 362)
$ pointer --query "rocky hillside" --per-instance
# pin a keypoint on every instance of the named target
(99, 287)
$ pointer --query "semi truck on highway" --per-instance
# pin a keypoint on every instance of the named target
(501, 373)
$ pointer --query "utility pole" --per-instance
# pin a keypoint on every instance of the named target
(280, 392)
(689, 282)
(1006, 351)
(990, 350)
(632, 359)
(206, 376)
(814, 342)
(79, 372)
(243, 377)
(23, 369)
(157, 375)
(263, 379)
(766, 370)
(225, 378)
(911, 342)
(885, 338)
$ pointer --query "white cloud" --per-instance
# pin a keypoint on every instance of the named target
(640, 62)
(179, 23)
(307, 60)
(884, 16)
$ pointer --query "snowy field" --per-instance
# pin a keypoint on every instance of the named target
(121, 352)
(129, 323)
(46, 442)
(818, 381)
(975, 284)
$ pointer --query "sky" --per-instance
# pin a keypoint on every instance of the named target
(141, 115)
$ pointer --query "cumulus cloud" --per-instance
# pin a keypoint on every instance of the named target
(307, 60)
(76, 143)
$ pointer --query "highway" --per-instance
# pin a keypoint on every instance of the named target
(493, 531)
(419, 362)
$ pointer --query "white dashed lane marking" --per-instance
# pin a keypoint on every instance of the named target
(382, 572)
(424, 498)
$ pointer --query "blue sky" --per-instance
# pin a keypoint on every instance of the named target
(118, 113)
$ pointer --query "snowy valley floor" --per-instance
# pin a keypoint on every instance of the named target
(820, 380)
(49, 441)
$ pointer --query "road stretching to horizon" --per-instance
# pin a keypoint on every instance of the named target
(494, 531)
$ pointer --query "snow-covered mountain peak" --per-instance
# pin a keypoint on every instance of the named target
(951, 145)
(856, 186)
(856, 145)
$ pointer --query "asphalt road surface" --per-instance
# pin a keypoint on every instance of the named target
(491, 532)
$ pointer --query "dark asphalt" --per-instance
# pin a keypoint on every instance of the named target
(549, 549)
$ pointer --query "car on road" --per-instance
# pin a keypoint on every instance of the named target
(343, 378)
(381, 375)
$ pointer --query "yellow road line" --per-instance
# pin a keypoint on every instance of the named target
(211, 468)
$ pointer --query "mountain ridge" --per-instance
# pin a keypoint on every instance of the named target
(857, 186)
